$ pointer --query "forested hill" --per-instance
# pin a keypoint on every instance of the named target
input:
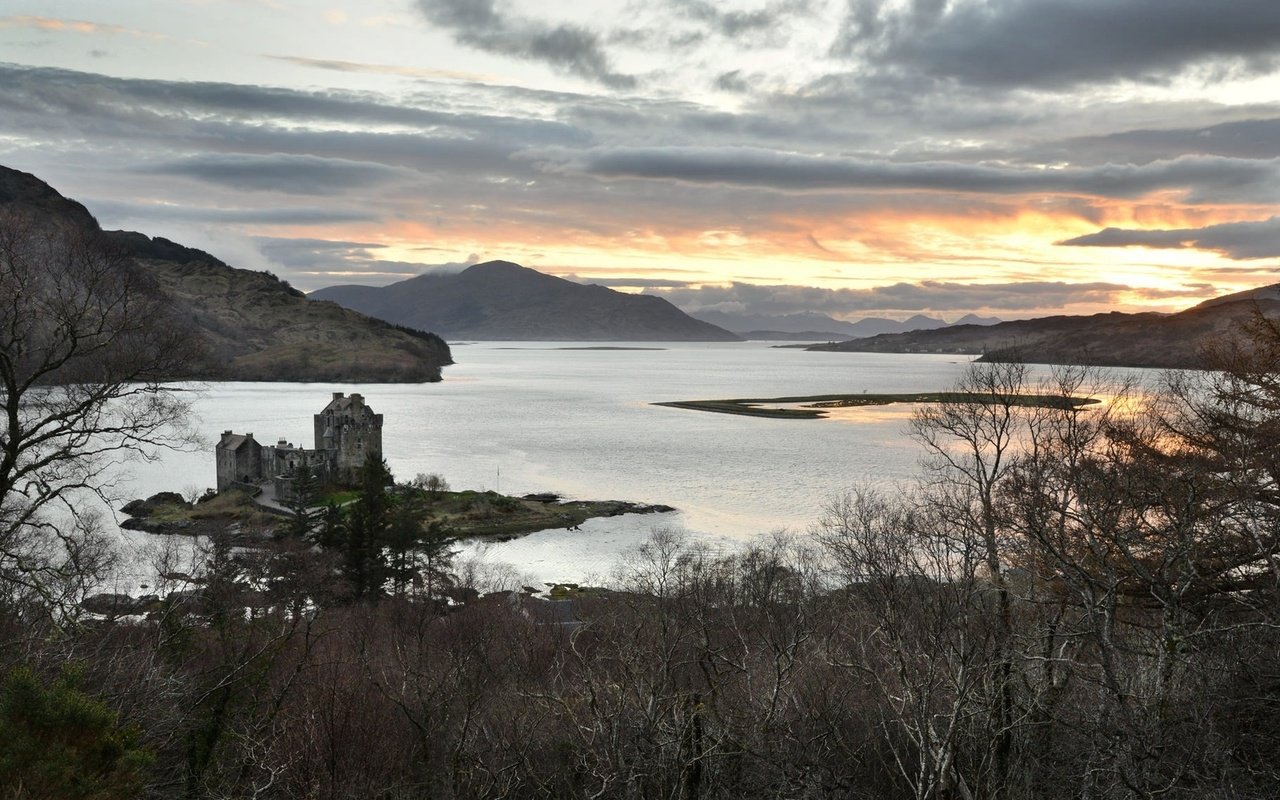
(1167, 341)
(505, 301)
(252, 325)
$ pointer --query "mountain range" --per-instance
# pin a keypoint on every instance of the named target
(811, 325)
(1167, 341)
(257, 327)
(499, 300)
(253, 326)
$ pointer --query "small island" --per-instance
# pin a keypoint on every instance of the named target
(263, 489)
(464, 514)
(813, 406)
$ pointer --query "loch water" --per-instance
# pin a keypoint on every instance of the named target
(568, 418)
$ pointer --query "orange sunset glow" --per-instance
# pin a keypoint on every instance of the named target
(816, 151)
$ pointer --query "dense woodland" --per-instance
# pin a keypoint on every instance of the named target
(1069, 603)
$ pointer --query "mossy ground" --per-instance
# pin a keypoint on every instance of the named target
(211, 515)
(489, 514)
(466, 514)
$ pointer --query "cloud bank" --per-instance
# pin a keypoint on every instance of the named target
(571, 48)
(1238, 240)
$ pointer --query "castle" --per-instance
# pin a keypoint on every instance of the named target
(346, 433)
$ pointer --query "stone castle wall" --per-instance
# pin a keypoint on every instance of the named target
(346, 433)
(351, 430)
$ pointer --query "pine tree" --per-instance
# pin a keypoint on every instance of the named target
(364, 557)
(331, 532)
(435, 555)
(402, 538)
(302, 502)
(58, 741)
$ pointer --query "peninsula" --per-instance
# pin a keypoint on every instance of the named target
(1114, 339)
(814, 406)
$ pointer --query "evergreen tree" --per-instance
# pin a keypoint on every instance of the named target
(302, 502)
(364, 556)
(330, 533)
(403, 535)
(57, 741)
(435, 557)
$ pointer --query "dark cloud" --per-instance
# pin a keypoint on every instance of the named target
(531, 168)
(1059, 45)
(570, 48)
(681, 121)
(1238, 240)
(739, 24)
(654, 38)
(304, 253)
(322, 262)
(1200, 177)
(290, 132)
(934, 296)
(1247, 138)
(110, 212)
(733, 81)
(65, 97)
(281, 173)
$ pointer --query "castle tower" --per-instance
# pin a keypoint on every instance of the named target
(348, 431)
(239, 460)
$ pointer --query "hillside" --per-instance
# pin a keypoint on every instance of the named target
(1121, 340)
(499, 300)
(254, 326)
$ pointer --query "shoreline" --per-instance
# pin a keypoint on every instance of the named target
(812, 406)
(468, 514)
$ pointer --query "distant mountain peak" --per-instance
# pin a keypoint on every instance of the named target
(499, 265)
(504, 300)
(974, 319)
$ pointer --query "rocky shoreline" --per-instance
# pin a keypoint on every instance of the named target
(470, 514)
(234, 519)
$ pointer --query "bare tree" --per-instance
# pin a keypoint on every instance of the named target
(85, 339)
(433, 483)
(916, 636)
(971, 445)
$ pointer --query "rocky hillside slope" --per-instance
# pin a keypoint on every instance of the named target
(1172, 341)
(254, 326)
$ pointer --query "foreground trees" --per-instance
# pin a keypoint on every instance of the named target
(1077, 603)
(1076, 597)
(84, 338)
(59, 742)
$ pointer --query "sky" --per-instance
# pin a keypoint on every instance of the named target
(1012, 158)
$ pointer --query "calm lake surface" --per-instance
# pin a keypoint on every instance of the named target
(532, 417)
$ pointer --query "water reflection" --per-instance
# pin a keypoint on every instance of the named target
(580, 423)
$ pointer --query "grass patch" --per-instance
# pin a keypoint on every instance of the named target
(812, 406)
(340, 498)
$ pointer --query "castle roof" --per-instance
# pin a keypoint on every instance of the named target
(351, 405)
(234, 441)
